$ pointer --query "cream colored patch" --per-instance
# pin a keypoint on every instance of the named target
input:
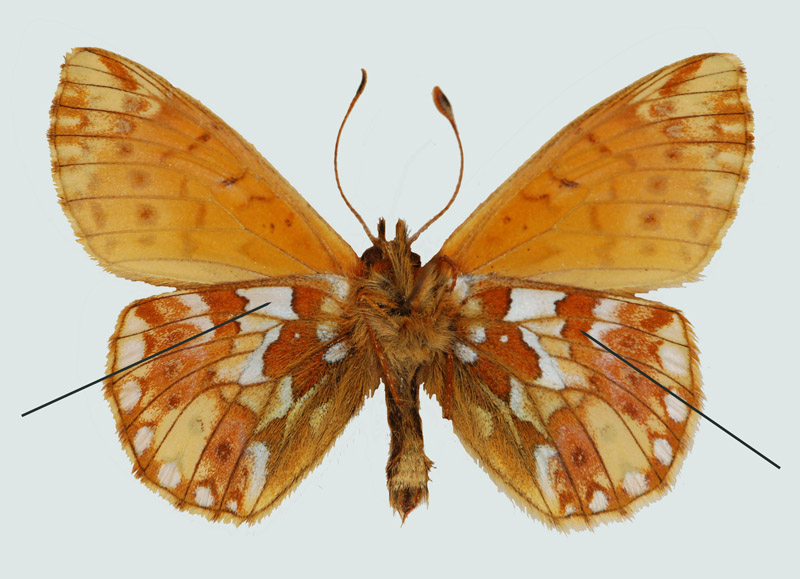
(545, 456)
(232, 506)
(606, 309)
(326, 331)
(256, 457)
(674, 360)
(482, 421)
(635, 483)
(203, 497)
(462, 287)
(283, 398)
(547, 327)
(336, 353)
(254, 323)
(142, 440)
(129, 350)
(599, 502)
(317, 416)
(529, 304)
(194, 302)
(503, 339)
(674, 331)
(472, 308)
(339, 286)
(279, 298)
(129, 394)
(133, 324)
(331, 306)
(522, 406)
(169, 475)
(676, 409)
(477, 334)
(465, 353)
(253, 372)
(551, 376)
(662, 451)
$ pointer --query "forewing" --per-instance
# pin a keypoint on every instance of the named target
(228, 424)
(571, 433)
(160, 189)
(635, 194)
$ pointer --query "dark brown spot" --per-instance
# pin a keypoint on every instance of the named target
(204, 137)
(674, 154)
(98, 214)
(568, 183)
(650, 220)
(592, 138)
(231, 180)
(173, 401)
(658, 184)
(578, 456)
(223, 451)
(139, 178)
(125, 148)
(288, 221)
(146, 214)
(506, 219)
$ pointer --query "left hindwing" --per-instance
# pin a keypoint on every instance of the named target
(572, 434)
(228, 424)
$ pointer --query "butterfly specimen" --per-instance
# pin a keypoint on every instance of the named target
(636, 194)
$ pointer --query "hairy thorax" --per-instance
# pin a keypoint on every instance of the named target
(404, 315)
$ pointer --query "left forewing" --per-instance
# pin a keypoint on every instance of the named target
(571, 433)
(228, 424)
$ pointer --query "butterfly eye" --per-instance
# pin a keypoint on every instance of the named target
(373, 256)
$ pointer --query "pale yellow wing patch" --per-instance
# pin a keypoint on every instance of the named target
(228, 424)
(160, 189)
(635, 194)
(572, 434)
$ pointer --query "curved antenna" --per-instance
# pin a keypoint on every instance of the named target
(444, 107)
(361, 86)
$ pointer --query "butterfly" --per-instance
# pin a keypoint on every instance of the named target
(635, 194)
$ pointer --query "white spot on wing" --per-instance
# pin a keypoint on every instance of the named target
(674, 359)
(203, 497)
(284, 392)
(326, 331)
(465, 353)
(253, 372)
(336, 353)
(129, 350)
(461, 288)
(544, 455)
(662, 451)
(676, 409)
(635, 483)
(504, 338)
(551, 376)
(527, 304)
(232, 506)
(606, 309)
(477, 334)
(599, 502)
(142, 440)
(257, 456)
(279, 298)
(194, 302)
(168, 475)
(339, 286)
(129, 394)
(518, 400)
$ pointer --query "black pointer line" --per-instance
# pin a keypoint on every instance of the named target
(668, 391)
(150, 357)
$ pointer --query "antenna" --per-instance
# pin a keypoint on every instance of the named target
(444, 107)
(361, 86)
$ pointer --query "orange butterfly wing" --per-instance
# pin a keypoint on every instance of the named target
(572, 434)
(229, 423)
(635, 194)
(160, 189)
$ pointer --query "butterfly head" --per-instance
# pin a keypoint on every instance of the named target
(391, 255)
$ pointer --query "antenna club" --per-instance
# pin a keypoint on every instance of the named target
(443, 104)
